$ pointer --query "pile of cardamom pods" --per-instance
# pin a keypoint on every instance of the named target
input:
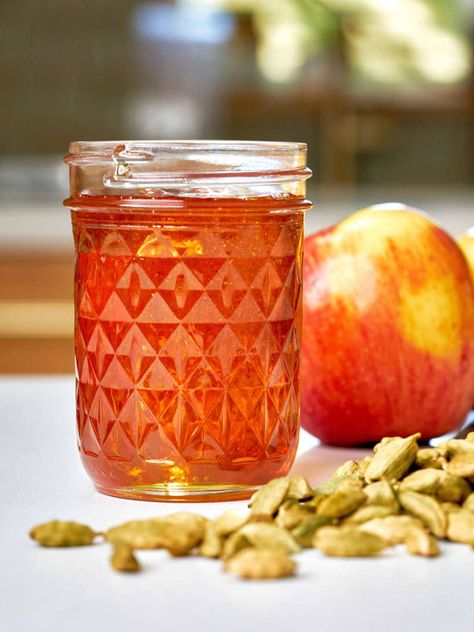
(400, 495)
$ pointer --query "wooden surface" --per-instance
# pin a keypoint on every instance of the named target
(36, 312)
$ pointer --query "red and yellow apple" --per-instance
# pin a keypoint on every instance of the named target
(466, 242)
(388, 333)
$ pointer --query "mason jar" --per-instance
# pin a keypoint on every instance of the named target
(187, 314)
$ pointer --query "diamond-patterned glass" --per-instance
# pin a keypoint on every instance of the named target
(187, 348)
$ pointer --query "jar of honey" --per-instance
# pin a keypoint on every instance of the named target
(187, 314)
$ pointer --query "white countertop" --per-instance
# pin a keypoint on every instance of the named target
(75, 590)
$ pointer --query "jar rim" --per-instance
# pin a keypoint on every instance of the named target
(107, 149)
(172, 164)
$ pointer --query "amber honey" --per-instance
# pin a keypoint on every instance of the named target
(187, 342)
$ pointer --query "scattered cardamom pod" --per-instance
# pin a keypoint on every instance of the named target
(260, 564)
(291, 514)
(383, 442)
(462, 464)
(229, 522)
(299, 489)
(392, 529)
(364, 464)
(255, 517)
(347, 542)
(425, 481)
(342, 502)
(427, 509)
(123, 559)
(469, 503)
(314, 502)
(369, 512)
(333, 485)
(349, 468)
(269, 536)
(179, 533)
(430, 458)
(269, 497)
(420, 542)
(212, 542)
(180, 538)
(233, 544)
(138, 534)
(381, 493)
(452, 488)
(304, 532)
(461, 527)
(449, 507)
(392, 458)
(62, 533)
(260, 536)
(456, 446)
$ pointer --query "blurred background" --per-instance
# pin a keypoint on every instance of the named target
(381, 90)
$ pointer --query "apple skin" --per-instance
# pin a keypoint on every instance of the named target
(466, 243)
(388, 329)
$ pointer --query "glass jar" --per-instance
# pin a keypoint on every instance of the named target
(187, 314)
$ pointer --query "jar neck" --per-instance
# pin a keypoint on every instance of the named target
(151, 170)
(164, 209)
